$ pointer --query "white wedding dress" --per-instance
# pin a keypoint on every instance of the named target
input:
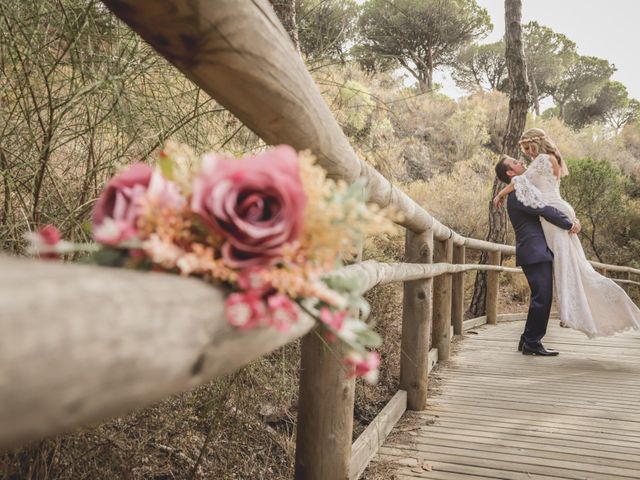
(587, 301)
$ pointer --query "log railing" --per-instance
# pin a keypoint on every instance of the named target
(81, 343)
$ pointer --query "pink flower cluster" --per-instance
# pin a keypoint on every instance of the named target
(258, 304)
(363, 365)
(45, 241)
(238, 221)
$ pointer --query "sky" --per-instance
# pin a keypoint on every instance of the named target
(609, 30)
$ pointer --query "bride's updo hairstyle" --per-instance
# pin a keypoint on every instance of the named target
(537, 138)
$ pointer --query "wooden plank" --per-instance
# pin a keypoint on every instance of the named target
(488, 468)
(502, 317)
(368, 443)
(533, 465)
(515, 420)
(585, 434)
(568, 416)
(442, 436)
(499, 414)
(427, 443)
(473, 323)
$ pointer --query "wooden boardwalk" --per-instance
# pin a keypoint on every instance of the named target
(495, 413)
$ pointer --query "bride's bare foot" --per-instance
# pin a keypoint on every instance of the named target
(563, 325)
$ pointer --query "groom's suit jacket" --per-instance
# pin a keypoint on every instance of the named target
(531, 245)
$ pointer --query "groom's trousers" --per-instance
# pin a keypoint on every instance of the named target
(540, 279)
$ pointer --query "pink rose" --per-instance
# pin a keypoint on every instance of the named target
(117, 210)
(245, 310)
(363, 365)
(282, 311)
(129, 195)
(255, 203)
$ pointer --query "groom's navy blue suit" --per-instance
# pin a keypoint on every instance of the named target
(535, 258)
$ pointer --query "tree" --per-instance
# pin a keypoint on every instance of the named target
(420, 35)
(580, 83)
(596, 190)
(481, 67)
(548, 55)
(286, 11)
(612, 105)
(519, 102)
(325, 28)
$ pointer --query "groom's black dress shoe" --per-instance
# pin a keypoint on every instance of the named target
(538, 350)
(520, 344)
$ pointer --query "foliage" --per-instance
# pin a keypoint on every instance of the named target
(580, 83)
(356, 106)
(326, 28)
(458, 199)
(481, 67)
(596, 190)
(548, 54)
(420, 35)
(612, 105)
(80, 95)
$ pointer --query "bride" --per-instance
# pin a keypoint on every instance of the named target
(587, 301)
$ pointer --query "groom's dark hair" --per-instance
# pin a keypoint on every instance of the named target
(502, 168)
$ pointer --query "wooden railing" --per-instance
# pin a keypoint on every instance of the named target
(81, 343)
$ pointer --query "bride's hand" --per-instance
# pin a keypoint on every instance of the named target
(498, 201)
(575, 229)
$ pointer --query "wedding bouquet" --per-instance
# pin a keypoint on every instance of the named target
(271, 227)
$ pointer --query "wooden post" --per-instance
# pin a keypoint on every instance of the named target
(325, 409)
(457, 291)
(325, 412)
(627, 276)
(416, 323)
(492, 290)
(442, 253)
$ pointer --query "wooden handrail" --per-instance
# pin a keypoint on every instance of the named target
(615, 268)
(372, 273)
(82, 343)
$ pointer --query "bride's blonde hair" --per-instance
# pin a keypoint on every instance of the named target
(544, 144)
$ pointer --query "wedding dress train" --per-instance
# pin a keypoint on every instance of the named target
(587, 301)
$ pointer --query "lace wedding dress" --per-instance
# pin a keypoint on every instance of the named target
(587, 301)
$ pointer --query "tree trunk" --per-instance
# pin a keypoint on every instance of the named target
(518, 107)
(535, 95)
(561, 110)
(425, 79)
(286, 11)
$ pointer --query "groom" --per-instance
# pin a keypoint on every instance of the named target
(534, 256)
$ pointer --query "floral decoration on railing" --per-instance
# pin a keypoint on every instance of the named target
(271, 227)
